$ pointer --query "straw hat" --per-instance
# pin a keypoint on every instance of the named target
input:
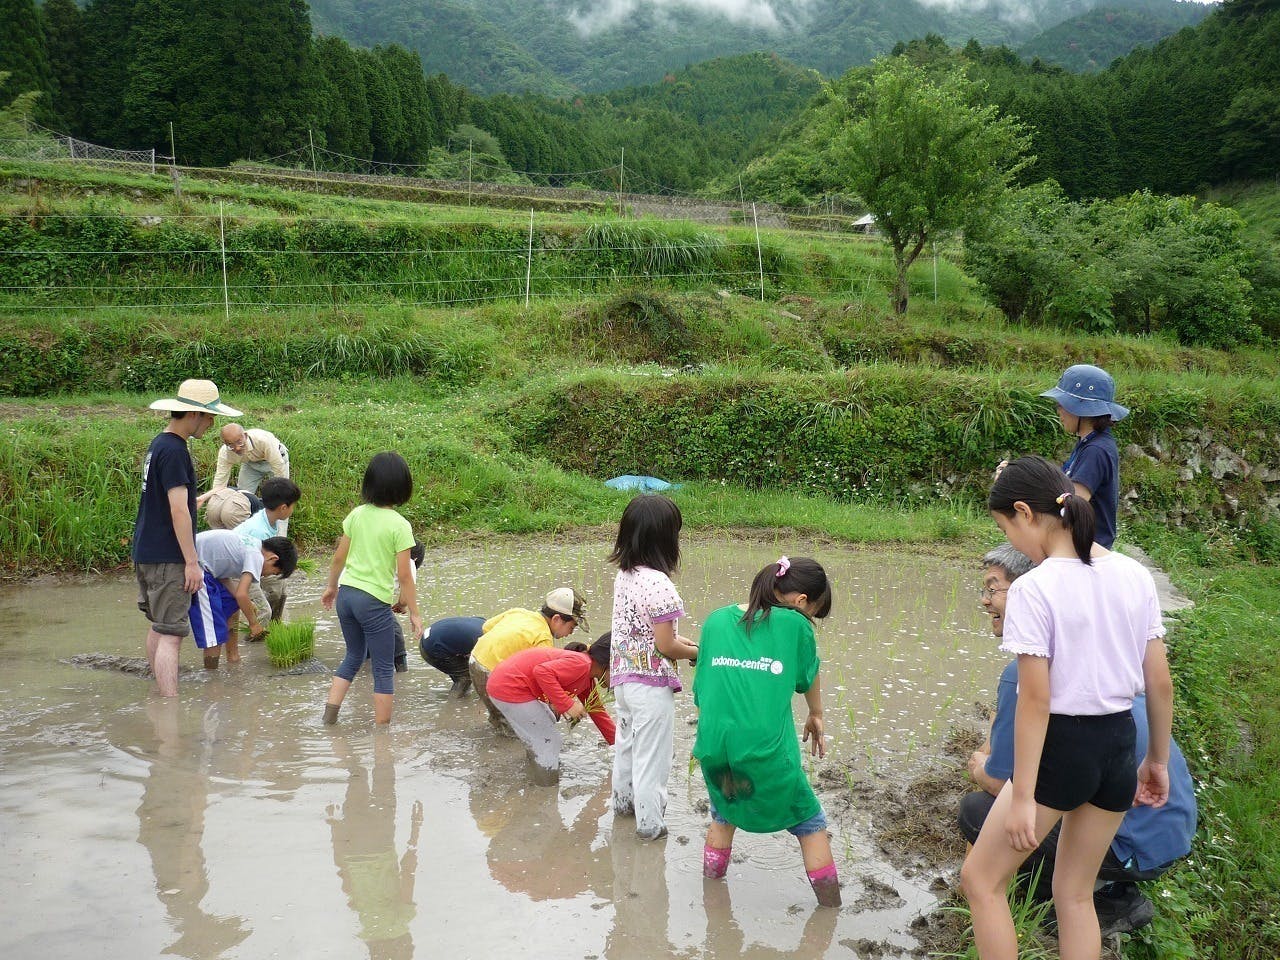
(197, 396)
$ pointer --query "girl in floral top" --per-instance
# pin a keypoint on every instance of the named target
(642, 670)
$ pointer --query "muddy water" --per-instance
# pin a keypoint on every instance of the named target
(231, 824)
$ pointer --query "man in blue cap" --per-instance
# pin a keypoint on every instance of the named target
(1150, 839)
(1086, 398)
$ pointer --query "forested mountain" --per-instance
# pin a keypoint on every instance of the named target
(549, 45)
(246, 79)
(1092, 40)
(1199, 108)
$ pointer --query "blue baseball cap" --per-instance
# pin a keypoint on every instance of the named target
(1088, 391)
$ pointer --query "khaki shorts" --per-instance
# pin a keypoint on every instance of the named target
(227, 509)
(162, 599)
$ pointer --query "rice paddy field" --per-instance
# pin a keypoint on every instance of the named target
(517, 367)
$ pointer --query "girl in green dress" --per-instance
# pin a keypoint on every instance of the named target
(752, 659)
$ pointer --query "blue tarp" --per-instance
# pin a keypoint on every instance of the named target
(646, 484)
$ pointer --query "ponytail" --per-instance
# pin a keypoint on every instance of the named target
(801, 575)
(1044, 488)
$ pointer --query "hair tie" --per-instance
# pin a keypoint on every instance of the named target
(1062, 502)
(784, 564)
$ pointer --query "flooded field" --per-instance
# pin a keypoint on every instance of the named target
(231, 824)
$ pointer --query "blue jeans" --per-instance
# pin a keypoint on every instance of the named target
(369, 629)
(802, 829)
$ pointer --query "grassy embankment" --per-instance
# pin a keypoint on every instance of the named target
(842, 422)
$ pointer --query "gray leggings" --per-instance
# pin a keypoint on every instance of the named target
(535, 725)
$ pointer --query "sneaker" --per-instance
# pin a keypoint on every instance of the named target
(1122, 910)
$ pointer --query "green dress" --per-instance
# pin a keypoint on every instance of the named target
(747, 743)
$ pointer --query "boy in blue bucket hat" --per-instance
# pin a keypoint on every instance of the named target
(1087, 408)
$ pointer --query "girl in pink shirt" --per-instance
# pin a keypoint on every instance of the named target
(642, 668)
(1085, 625)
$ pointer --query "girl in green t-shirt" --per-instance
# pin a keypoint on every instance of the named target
(751, 659)
(372, 554)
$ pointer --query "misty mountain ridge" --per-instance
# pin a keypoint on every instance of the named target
(563, 46)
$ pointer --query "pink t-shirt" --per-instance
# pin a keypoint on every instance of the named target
(1092, 622)
(641, 598)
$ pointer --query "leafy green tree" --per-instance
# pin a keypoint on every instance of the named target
(923, 155)
(14, 114)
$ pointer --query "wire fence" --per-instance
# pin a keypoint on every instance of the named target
(52, 263)
(629, 192)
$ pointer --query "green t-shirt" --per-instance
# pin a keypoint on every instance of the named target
(747, 743)
(377, 534)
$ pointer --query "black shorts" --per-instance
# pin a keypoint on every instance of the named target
(1088, 760)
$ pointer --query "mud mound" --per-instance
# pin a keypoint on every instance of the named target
(305, 667)
(134, 666)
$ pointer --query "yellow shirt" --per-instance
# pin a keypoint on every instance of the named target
(510, 632)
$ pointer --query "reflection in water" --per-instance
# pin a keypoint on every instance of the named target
(171, 827)
(378, 886)
(532, 851)
(726, 940)
(641, 899)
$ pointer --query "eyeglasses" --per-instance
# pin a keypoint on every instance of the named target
(988, 592)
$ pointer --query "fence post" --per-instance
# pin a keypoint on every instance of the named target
(312, 142)
(222, 243)
(759, 254)
(622, 172)
(153, 161)
(468, 173)
(528, 263)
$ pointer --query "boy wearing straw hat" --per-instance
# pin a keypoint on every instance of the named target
(164, 544)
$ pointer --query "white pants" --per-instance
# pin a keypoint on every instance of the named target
(535, 725)
(642, 753)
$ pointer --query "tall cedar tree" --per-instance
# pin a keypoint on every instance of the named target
(64, 39)
(235, 78)
(109, 49)
(24, 57)
(343, 106)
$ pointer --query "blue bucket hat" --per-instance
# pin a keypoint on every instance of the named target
(1088, 391)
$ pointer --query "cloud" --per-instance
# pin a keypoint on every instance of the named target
(1021, 11)
(592, 17)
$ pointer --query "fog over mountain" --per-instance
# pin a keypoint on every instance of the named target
(593, 16)
(767, 14)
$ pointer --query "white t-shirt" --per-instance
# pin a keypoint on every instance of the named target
(1092, 622)
(224, 554)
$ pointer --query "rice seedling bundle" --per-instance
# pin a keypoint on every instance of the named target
(289, 644)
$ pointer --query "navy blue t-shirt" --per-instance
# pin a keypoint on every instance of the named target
(1095, 463)
(167, 465)
(452, 636)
